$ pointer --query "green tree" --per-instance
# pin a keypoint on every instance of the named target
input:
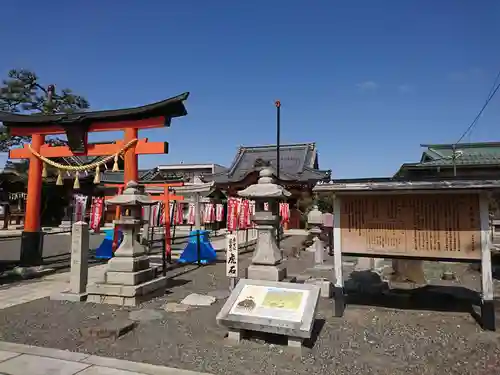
(21, 92)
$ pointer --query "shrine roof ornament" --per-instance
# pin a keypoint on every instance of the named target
(168, 108)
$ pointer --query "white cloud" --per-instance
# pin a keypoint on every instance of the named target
(368, 86)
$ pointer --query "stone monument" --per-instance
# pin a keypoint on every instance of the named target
(79, 265)
(129, 280)
(273, 307)
(321, 273)
(267, 258)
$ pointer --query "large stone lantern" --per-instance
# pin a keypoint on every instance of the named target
(267, 258)
(129, 280)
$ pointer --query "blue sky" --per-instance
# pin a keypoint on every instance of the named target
(368, 81)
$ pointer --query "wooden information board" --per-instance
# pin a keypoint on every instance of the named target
(416, 225)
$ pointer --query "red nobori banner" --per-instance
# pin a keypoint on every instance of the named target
(232, 214)
(96, 213)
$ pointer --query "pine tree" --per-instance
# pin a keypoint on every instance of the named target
(22, 93)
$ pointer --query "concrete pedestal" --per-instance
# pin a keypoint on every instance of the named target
(321, 276)
(264, 272)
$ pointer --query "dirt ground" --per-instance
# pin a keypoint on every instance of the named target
(432, 331)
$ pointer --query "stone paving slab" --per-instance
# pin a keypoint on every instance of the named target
(97, 370)
(44, 287)
(27, 364)
(4, 355)
(43, 352)
(17, 359)
(57, 283)
(141, 368)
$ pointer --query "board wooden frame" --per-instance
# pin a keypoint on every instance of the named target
(487, 305)
(416, 225)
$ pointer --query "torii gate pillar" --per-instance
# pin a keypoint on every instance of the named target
(32, 236)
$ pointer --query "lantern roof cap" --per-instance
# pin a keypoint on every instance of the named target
(133, 195)
(265, 187)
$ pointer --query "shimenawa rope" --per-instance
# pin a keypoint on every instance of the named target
(80, 168)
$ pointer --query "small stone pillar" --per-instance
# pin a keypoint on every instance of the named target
(321, 273)
(66, 220)
(315, 221)
(146, 225)
(129, 280)
(197, 211)
(79, 265)
(267, 258)
(328, 230)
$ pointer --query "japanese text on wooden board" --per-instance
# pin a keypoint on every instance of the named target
(416, 225)
(231, 255)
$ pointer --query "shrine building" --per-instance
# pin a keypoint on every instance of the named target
(299, 172)
(463, 161)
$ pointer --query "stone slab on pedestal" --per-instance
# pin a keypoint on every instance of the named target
(264, 272)
(272, 307)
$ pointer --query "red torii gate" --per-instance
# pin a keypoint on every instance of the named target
(76, 126)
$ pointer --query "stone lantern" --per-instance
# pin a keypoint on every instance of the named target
(321, 273)
(315, 221)
(129, 280)
(267, 258)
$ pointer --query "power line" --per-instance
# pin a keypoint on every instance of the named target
(491, 94)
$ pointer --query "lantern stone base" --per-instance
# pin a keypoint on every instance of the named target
(265, 272)
(129, 278)
(126, 295)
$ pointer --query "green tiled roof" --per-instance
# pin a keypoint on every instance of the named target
(465, 154)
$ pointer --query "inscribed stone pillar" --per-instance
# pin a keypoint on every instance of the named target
(79, 265)
(79, 258)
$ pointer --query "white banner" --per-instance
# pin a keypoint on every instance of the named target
(231, 255)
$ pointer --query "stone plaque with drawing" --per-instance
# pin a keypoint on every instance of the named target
(274, 307)
(417, 225)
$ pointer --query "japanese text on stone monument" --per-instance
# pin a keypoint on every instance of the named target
(231, 255)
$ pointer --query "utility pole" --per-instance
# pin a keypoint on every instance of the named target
(277, 103)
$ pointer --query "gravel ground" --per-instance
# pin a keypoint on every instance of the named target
(368, 340)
